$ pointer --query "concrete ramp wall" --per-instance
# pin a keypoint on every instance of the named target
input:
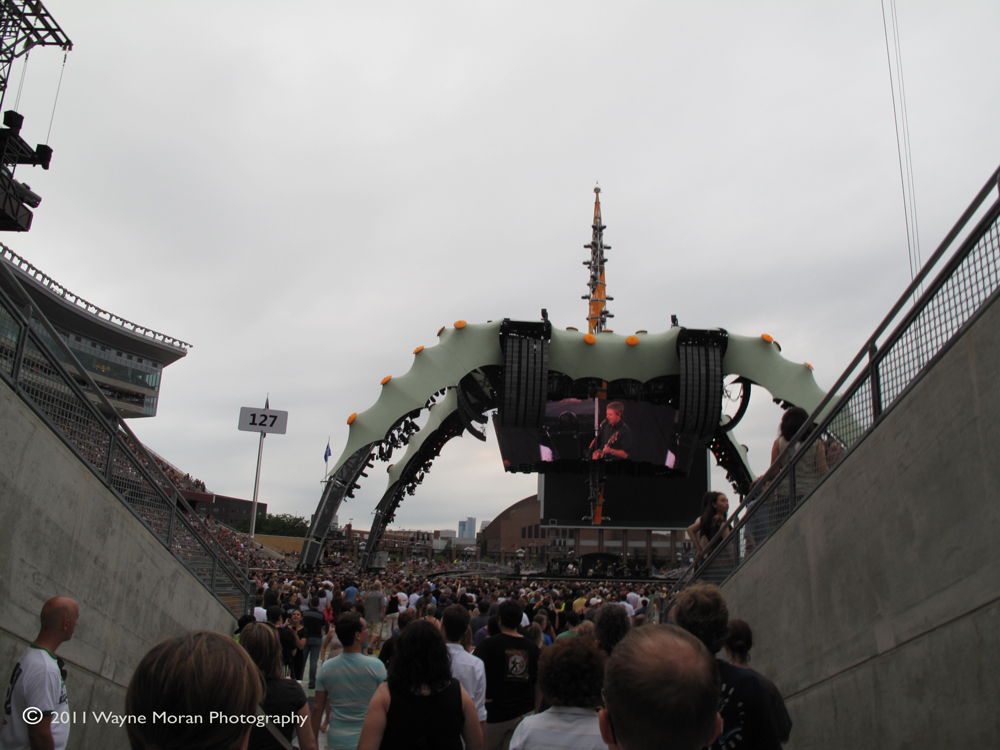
(63, 533)
(876, 607)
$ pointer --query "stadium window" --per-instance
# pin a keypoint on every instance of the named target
(523, 535)
(536, 531)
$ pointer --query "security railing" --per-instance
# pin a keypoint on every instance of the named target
(102, 440)
(968, 275)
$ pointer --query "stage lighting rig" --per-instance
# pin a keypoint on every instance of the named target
(15, 196)
(24, 25)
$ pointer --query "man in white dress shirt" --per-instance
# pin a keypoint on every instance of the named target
(465, 667)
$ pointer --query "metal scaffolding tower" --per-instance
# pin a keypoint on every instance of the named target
(598, 314)
(25, 24)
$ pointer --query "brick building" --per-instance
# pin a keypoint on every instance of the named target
(519, 527)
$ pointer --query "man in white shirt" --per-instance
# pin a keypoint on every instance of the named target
(465, 667)
(623, 601)
(417, 593)
(38, 682)
(259, 613)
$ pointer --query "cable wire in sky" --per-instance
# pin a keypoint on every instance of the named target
(894, 58)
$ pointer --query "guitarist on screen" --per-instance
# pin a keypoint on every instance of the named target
(614, 438)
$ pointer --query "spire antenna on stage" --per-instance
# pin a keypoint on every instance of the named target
(597, 319)
(598, 314)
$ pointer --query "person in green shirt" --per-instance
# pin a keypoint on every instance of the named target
(573, 621)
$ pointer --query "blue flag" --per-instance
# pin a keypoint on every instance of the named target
(326, 456)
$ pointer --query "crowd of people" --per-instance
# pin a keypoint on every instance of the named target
(411, 662)
(237, 545)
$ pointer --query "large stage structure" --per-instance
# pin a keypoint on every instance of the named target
(514, 368)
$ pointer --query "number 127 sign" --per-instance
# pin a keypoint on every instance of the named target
(263, 420)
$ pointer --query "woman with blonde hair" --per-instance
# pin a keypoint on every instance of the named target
(281, 697)
(535, 635)
(193, 675)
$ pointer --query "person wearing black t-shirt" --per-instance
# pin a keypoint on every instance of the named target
(314, 621)
(284, 698)
(511, 662)
(289, 643)
(614, 439)
(482, 617)
(294, 624)
(747, 716)
(738, 645)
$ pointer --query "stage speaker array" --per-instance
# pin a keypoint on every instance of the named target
(700, 402)
(525, 373)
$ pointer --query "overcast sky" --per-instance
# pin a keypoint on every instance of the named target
(307, 191)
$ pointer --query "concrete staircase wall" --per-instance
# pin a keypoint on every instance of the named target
(63, 533)
(876, 607)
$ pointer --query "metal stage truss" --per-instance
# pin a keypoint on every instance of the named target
(471, 371)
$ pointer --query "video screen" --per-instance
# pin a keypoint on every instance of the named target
(650, 502)
(623, 435)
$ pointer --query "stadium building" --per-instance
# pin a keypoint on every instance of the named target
(124, 359)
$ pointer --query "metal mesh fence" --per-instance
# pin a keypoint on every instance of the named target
(972, 283)
(963, 285)
(56, 393)
(10, 334)
(42, 380)
(136, 490)
(855, 415)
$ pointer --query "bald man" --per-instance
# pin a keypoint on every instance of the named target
(38, 682)
(661, 689)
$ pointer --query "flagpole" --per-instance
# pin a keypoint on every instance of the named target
(256, 485)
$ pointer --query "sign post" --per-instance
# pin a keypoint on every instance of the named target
(263, 421)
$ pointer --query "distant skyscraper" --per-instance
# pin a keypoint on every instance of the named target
(467, 528)
(484, 525)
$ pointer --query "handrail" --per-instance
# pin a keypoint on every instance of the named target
(908, 347)
(108, 446)
(60, 291)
